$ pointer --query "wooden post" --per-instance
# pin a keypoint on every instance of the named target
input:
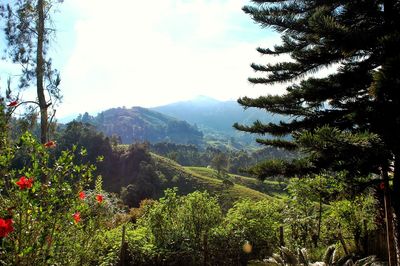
(122, 251)
(205, 246)
(281, 237)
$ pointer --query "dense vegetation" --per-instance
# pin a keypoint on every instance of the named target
(72, 196)
(232, 161)
(192, 229)
(312, 213)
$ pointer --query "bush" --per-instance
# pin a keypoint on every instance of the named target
(54, 221)
(249, 223)
(177, 228)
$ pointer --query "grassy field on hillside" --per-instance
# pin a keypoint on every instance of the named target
(189, 179)
(272, 188)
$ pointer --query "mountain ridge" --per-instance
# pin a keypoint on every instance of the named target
(139, 124)
(197, 121)
(216, 118)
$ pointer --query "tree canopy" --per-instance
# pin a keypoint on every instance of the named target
(346, 121)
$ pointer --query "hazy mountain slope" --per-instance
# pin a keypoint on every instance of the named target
(141, 124)
(213, 116)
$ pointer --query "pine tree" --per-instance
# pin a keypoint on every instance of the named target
(28, 33)
(349, 120)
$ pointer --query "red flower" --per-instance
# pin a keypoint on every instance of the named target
(12, 104)
(82, 195)
(77, 217)
(50, 144)
(24, 182)
(99, 198)
(382, 185)
(6, 227)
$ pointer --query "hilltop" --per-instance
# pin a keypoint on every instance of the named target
(138, 124)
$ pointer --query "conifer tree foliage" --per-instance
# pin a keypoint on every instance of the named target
(28, 31)
(349, 120)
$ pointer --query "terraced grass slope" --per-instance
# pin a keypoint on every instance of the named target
(272, 188)
(189, 179)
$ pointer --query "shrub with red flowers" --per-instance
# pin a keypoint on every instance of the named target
(50, 144)
(6, 227)
(99, 198)
(12, 104)
(77, 217)
(24, 183)
(82, 195)
(48, 215)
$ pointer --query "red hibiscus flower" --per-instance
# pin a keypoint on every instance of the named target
(99, 198)
(82, 195)
(24, 182)
(77, 217)
(50, 144)
(12, 104)
(6, 227)
(382, 185)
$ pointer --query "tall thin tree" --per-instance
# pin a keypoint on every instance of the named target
(29, 31)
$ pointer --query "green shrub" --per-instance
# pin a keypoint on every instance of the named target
(54, 220)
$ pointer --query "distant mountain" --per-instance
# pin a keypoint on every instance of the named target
(66, 119)
(141, 124)
(215, 117)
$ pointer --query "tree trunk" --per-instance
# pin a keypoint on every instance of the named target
(396, 203)
(319, 220)
(391, 199)
(389, 222)
(40, 68)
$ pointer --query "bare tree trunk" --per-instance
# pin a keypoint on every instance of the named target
(396, 205)
(122, 251)
(392, 201)
(40, 68)
(390, 234)
(319, 220)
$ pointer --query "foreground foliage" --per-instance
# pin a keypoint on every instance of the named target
(54, 220)
(192, 229)
(330, 258)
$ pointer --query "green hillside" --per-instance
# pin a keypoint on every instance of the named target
(189, 179)
(139, 124)
(272, 188)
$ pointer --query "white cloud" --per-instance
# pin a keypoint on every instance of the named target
(147, 53)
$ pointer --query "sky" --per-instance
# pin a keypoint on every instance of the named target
(151, 53)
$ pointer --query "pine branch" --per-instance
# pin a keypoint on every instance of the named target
(279, 143)
(258, 127)
(278, 167)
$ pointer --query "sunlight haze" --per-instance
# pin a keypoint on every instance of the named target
(149, 53)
